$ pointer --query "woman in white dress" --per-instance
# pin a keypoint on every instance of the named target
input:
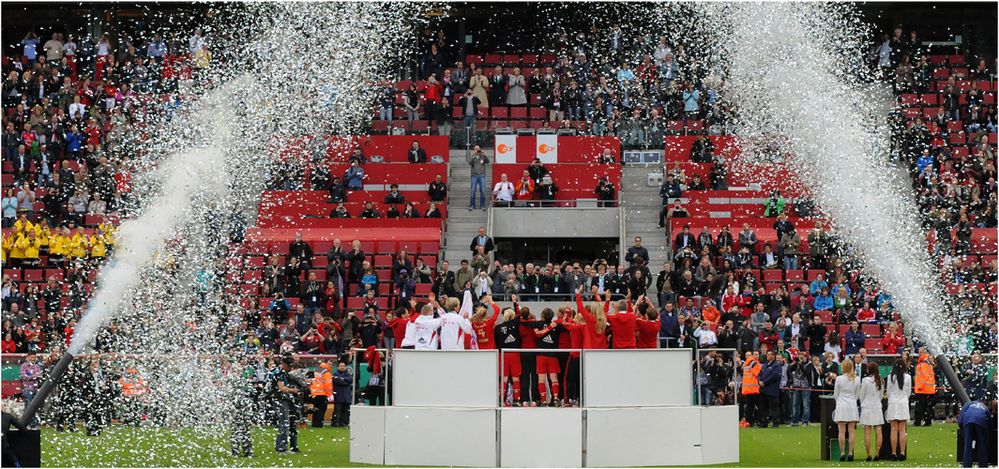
(899, 389)
(872, 389)
(846, 392)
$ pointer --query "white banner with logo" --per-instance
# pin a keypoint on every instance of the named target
(506, 149)
(547, 149)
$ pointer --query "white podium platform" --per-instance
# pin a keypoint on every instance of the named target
(663, 429)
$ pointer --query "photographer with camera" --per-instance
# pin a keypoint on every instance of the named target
(286, 393)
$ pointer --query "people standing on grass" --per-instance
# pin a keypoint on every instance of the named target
(871, 391)
(846, 416)
(899, 389)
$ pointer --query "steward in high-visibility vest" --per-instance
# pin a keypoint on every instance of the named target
(924, 387)
(321, 390)
(751, 369)
(926, 379)
(751, 376)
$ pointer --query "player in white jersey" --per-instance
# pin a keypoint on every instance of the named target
(454, 326)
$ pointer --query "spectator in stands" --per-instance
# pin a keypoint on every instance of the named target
(684, 239)
(477, 162)
(394, 196)
(516, 95)
(369, 211)
(301, 250)
(354, 177)
(9, 208)
(497, 88)
(433, 96)
(437, 189)
(546, 191)
(340, 211)
(854, 338)
(670, 189)
(432, 211)
(469, 104)
(416, 154)
(606, 193)
(747, 238)
(463, 277)
(789, 242)
(503, 192)
(774, 205)
(483, 240)
(411, 103)
(479, 86)
(313, 295)
(444, 281)
(768, 259)
(525, 188)
(823, 301)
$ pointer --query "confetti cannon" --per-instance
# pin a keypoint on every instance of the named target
(50, 383)
(955, 382)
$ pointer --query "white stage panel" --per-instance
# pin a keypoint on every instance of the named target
(417, 436)
(445, 378)
(367, 434)
(720, 434)
(634, 436)
(625, 378)
(541, 437)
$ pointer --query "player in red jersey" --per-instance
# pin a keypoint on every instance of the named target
(647, 323)
(484, 326)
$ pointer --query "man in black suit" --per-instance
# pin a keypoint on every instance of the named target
(482, 240)
(685, 238)
(417, 154)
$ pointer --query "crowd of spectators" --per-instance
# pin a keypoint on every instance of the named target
(607, 83)
(75, 110)
(951, 157)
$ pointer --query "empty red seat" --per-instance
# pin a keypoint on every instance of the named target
(33, 275)
(518, 112)
(955, 126)
(794, 275)
(499, 111)
(873, 330)
(492, 59)
(14, 274)
(511, 59)
(773, 275)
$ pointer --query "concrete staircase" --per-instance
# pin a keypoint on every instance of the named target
(462, 224)
(641, 205)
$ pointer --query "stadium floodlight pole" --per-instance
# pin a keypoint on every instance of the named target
(955, 383)
(50, 383)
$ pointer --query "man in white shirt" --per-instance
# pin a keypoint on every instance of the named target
(503, 192)
(705, 336)
(454, 326)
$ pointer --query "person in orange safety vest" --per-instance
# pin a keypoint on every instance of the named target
(925, 388)
(751, 368)
(321, 390)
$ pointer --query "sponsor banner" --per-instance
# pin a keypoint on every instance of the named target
(506, 149)
(547, 148)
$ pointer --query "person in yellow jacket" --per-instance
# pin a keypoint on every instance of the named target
(57, 247)
(42, 232)
(79, 245)
(925, 388)
(23, 224)
(8, 243)
(98, 246)
(30, 247)
(751, 368)
(321, 389)
(16, 250)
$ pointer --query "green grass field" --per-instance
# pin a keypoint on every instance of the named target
(130, 447)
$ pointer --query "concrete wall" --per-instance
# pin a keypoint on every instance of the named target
(561, 222)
